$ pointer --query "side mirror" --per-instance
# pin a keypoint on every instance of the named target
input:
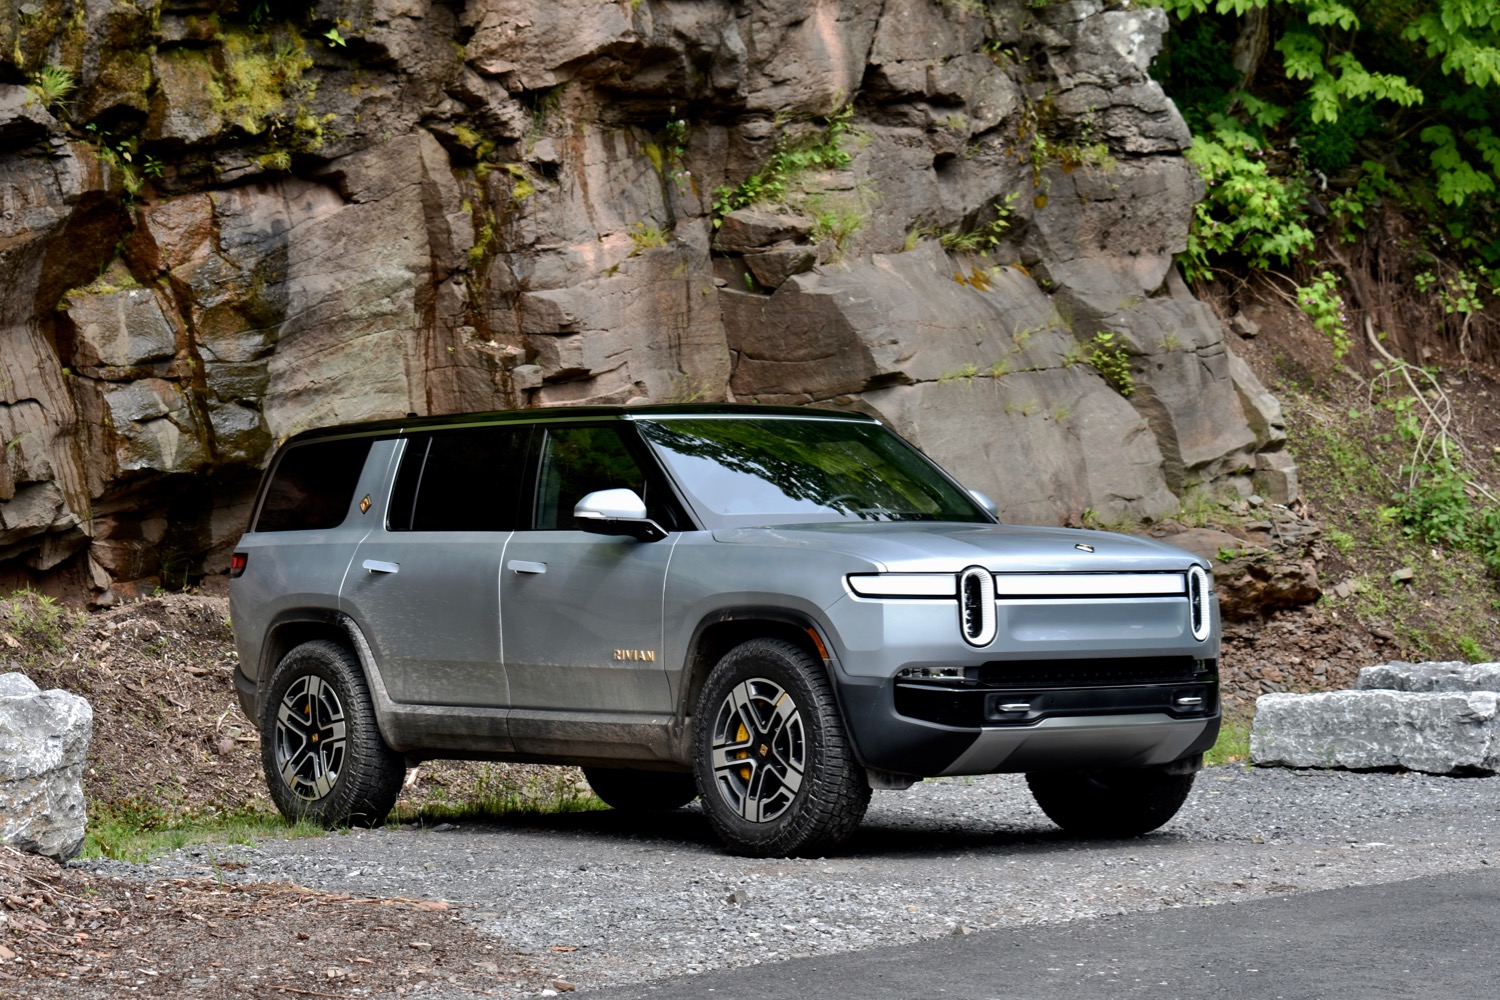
(616, 512)
(986, 503)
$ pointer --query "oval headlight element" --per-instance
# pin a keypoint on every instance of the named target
(1200, 602)
(976, 605)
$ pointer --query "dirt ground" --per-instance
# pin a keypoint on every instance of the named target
(169, 740)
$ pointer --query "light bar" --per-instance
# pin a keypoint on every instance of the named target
(904, 584)
(1089, 584)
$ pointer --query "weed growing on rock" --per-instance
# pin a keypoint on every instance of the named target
(1108, 357)
(792, 157)
(53, 85)
(837, 222)
(646, 236)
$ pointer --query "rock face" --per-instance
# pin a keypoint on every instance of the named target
(1440, 718)
(44, 738)
(959, 217)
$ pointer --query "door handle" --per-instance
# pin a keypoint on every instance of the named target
(381, 566)
(522, 566)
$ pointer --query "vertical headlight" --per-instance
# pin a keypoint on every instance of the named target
(976, 605)
(1200, 597)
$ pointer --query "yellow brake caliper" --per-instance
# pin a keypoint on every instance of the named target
(740, 737)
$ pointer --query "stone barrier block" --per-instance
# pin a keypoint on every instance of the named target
(1452, 675)
(44, 738)
(1433, 732)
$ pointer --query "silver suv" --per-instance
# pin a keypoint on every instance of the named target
(772, 609)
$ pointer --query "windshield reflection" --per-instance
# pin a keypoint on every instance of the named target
(771, 470)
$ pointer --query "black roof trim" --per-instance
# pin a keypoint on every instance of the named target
(405, 425)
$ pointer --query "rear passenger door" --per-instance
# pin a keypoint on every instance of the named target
(425, 584)
(581, 617)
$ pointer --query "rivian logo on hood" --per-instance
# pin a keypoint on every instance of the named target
(1084, 547)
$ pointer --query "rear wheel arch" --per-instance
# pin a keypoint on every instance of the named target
(293, 629)
(296, 628)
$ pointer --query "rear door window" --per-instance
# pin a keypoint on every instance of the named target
(465, 479)
(312, 485)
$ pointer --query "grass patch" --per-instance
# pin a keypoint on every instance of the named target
(138, 830)
(497, 791)
(1350, 462)
(1233, 744)
(32, 625)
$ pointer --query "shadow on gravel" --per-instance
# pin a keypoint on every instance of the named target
(687, 830)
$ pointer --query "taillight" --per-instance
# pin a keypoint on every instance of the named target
(237, 563)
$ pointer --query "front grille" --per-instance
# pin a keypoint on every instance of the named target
(1111, 672)
(1024, 692)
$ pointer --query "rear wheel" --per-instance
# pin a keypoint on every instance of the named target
(320, 746)
(775, 769)
(631, 790)
(1124, 802)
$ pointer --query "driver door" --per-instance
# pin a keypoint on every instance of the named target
(582, 621)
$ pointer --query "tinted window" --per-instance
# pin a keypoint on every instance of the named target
(312, 486)
(466, 479)
(575, 462)
(766, 470)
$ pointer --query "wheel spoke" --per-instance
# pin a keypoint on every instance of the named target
(757, 754)
(310, 737)
(288, 717)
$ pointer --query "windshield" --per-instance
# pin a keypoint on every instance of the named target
(768, 470)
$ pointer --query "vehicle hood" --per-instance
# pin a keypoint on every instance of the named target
(921, 547)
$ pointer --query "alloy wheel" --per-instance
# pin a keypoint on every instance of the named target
(759, 752)
(310, 737)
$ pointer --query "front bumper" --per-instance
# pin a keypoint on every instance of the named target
(936, 728)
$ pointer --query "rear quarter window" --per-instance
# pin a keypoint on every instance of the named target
(312, 486)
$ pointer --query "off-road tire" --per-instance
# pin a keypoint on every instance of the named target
(1124, 802)
(631, 790)
(787, 783)
(320, 746)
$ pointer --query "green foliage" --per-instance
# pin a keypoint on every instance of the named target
(1321, 301)
(1436, 507)
(982, 238)
(1107, 354)
(1347, 92)
(522, 185)
(36, 623)
(1441, 503)
(53, 85)
(1246, 211)
(646, 236)
(837, 221)
(792, 157)
(1233, 744)
(500, 790)
(1342, 541)
(120, 153)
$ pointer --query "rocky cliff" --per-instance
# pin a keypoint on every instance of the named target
(221, 223)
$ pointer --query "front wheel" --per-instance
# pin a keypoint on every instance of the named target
(631, 790)
(775, 768)
(320, 746)
(1123, 802)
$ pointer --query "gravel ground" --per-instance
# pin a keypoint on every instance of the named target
(606, 898)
